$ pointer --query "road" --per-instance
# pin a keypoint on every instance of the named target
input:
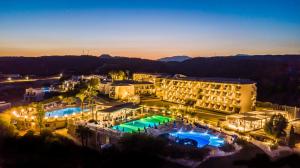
(29, 80)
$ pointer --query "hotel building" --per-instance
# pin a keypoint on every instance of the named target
(126, 89)
(218, 94)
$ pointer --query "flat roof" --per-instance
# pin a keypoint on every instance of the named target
(204, 79)
(120, 106)
(250, 119)
(215, 79)
(129, 82)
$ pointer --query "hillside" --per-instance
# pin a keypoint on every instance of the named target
(277, 76)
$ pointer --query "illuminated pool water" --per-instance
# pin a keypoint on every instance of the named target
(201, 138)
(141, 124)
(64, 111)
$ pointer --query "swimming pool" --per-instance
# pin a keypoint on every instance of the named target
(64, 111)
(142, 124)
(202, 138)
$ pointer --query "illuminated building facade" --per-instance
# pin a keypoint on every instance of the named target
(218, 94)
(125, 90)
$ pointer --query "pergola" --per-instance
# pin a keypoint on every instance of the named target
(109, 116)
(251, 120)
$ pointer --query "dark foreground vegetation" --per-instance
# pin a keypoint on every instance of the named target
(49, 150)
(277, 76)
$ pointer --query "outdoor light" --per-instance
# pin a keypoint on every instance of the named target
(9, 78)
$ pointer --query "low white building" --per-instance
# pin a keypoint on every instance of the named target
(68, 85)
(34, 94)
(126, 90)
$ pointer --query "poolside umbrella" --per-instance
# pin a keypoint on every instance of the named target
(117, 127)
(123, 129)
(149, 126)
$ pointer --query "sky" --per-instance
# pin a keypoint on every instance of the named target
(149, 28)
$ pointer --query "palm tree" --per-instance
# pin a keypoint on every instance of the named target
(92, 92)
(117, 75)
(40, 115)
(91, 95)
(84, 133)
(81, 95)
(189, 103)
(69, 100)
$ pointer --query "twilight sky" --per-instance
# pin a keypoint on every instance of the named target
(149, 28)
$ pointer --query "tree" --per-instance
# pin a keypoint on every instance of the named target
(40, 115)
(276, 126)
(117, 75)
(69, 100)
(94, 82)
(84, 133)
(292, 138)
(92, 92)
(81, 96)
(189, 103)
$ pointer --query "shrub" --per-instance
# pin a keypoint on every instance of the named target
(92, 121)
(46, 133)
(274, 146)
(227, 147)
(29, 133)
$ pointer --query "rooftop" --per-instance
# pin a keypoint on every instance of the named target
(129, 82)
(203, 79)
(120, 106)
(215, 79)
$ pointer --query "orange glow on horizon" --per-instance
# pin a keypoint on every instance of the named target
(138, 53)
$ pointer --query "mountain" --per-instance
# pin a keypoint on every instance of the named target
(174, 59)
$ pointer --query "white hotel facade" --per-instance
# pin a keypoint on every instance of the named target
(218, 94)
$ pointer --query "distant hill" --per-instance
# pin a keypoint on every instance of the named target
(277, 76)
(175, 58)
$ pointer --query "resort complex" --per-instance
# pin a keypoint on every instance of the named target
(202, 113)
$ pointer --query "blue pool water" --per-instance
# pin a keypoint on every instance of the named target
(201, 138)
(64, 111)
